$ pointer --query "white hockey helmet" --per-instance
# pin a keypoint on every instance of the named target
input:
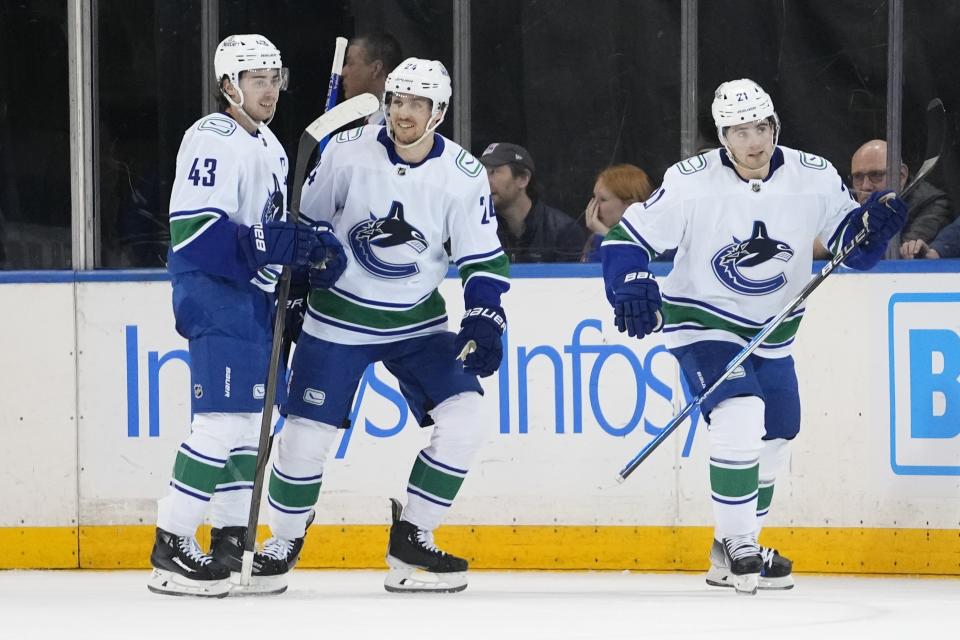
(422, 78)
(740, 101)
(244, 53)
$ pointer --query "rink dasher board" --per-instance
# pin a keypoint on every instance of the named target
(98, 400)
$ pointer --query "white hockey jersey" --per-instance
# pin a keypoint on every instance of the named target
(744, 247)
(393, 220)
(224, 174)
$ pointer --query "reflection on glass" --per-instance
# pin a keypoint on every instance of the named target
(929, 37)
(149, 92)
(582, 85)
(34, 136)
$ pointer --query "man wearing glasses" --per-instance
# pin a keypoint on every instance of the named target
(929, 208)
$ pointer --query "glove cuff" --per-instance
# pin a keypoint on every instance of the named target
(494, 315)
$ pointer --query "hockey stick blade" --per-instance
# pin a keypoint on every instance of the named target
(936, 140)
(344, 113)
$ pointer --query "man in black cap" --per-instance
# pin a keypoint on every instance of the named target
(529, 229)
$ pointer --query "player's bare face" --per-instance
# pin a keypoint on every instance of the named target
(751, 144)
(409, 116)
(261, 91)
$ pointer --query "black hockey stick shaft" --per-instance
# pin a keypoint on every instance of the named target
(935, 142)
(350, 110)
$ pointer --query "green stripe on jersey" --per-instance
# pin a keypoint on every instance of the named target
(434, 481)
(183, 229)
(499, 266)
(734, 483)
(675, 314)
(295, 496)
(619, 234)
(333, 306)
(193, 473)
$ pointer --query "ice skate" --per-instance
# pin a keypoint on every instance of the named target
(742, 564)
(775, 574)
(270, 565)
(415, 563)
(180, 568)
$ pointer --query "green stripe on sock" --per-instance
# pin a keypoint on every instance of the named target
(239, 468)
(193, 473)
(293, 495)
(734, 483)
(765, 498)
(433, 481)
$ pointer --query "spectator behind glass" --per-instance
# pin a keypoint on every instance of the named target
(529, 229)
(946, 245)
(929, 208)
(617, 187)
(370, 57)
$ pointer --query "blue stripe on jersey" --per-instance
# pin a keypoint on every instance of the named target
(377, 332)
(479, 256)
(177, 214)
(378, 303)
(726, 314)
(636, 234)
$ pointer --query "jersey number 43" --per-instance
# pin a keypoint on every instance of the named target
(208, 178)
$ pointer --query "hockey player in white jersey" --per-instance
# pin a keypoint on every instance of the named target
(394, 196)
(229, 239)
(743, 219)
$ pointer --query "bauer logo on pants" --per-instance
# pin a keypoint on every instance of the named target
(924, 383)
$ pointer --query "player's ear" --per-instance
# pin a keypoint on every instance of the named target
(227, 87)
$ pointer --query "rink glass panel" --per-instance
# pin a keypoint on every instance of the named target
(149, 90)
(34, 136)
(582, 85)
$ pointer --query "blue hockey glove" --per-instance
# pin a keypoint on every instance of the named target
(296, 304)
(328, 261)
(284, 243)
(636, 304)
(479, 340)
(883, 217)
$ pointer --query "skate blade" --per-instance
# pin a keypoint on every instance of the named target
(721, 578)
(746, 584)
(404, 578)
(259, 585)
(169, 583)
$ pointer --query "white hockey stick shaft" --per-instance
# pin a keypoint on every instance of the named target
(357, 107)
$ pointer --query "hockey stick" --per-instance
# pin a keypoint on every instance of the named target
(333, 94)
(333, 88)
(935, 142)
(357, 107)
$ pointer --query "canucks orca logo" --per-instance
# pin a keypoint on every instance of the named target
(273, 207)
(388, 247)
(754, 256)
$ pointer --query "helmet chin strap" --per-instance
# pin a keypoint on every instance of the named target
(428, 131)
(239, 106)
(733, 157)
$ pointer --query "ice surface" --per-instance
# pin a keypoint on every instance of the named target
(347, 605)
